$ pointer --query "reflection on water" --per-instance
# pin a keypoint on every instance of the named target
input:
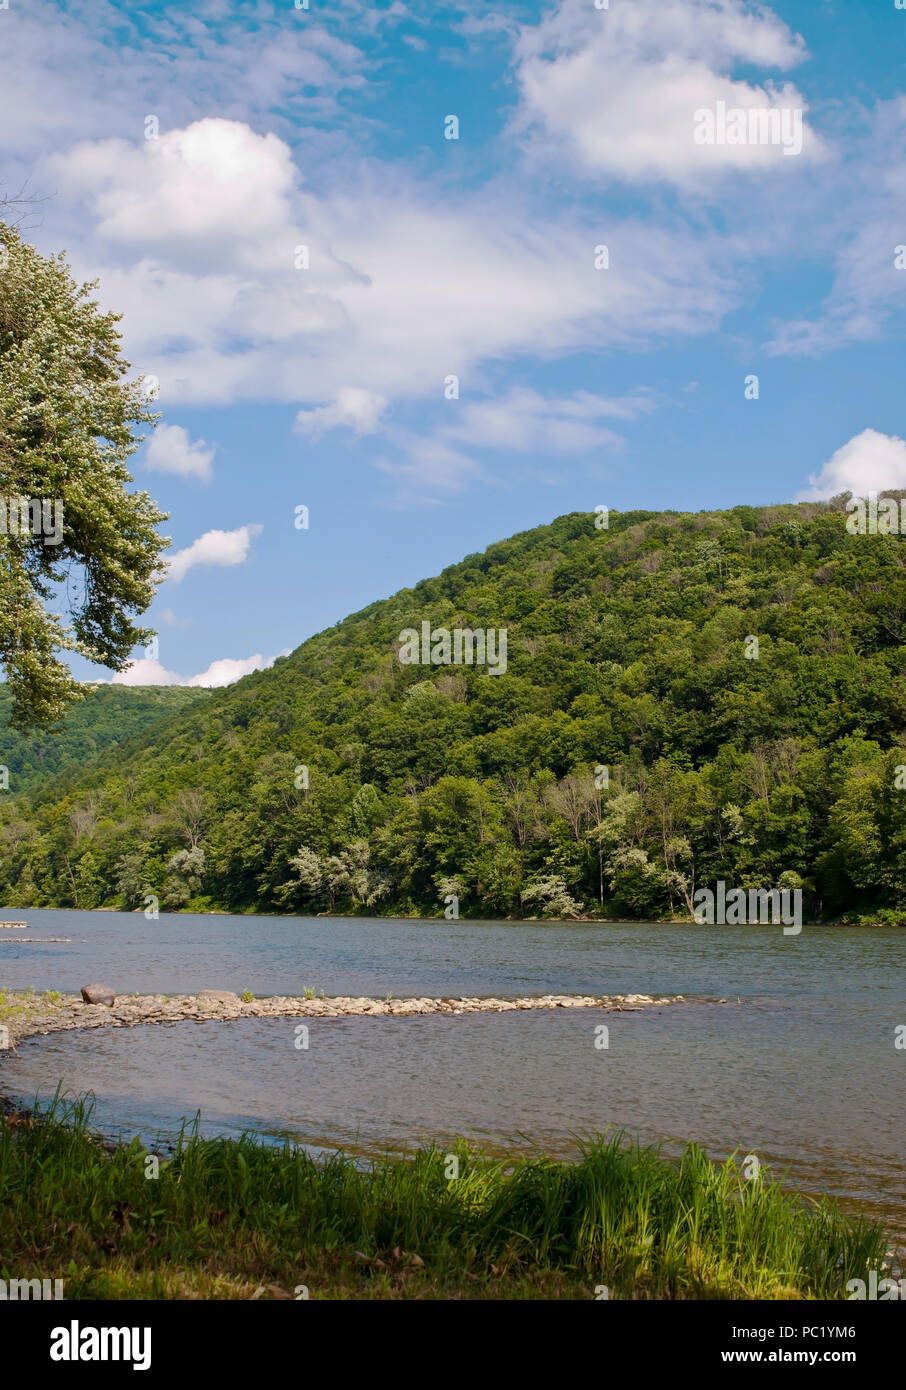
(799, 1066)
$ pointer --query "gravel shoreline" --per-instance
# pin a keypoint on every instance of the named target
(29, 1016)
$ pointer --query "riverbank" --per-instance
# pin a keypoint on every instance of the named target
(26, 1014)
(243, 1219)
(204, 907)
(238, 1219)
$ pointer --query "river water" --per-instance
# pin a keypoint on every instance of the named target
(783, 1046)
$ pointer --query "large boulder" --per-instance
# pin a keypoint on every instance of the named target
(219, 996)
(98, 994)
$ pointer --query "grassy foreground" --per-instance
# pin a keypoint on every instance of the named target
(237, 1219)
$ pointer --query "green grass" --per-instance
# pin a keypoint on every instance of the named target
(20, 1004)
(22, 1010)
(229, 1218)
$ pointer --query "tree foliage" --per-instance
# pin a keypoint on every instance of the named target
(67, 419)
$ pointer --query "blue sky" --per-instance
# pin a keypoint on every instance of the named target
(324, 386)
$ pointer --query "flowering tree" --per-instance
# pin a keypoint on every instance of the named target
(70, 531)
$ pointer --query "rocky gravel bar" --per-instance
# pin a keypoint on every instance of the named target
(26, 1016)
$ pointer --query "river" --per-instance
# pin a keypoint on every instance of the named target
(783, 1046)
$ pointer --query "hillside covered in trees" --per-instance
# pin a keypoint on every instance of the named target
(344, 780)
(108, 715)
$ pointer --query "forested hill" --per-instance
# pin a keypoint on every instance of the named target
(630, 649)
(107, 716)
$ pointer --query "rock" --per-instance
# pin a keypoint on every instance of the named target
(219, 996)
(98, 994)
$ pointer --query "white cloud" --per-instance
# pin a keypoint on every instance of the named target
(224, 548)
(526, 421)
(868, 462)
(170, 450)
(429, 467)
(617, 89)
(147, 671)
(860, 236)
(187, 187)
(522, 421)
(358, 409)
(112, 67)
(172, 619)
(194, 238)
(230, 669)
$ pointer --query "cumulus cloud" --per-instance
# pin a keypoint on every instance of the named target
(230, 669)
(147, 671)
(355, 407)
(869, 462)
(226, 670)
(171, 451)
(186, 187)
(194, 238)
(617, 89)
(225, 548)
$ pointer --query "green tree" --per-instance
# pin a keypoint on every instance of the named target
(551, 895)
(88, 888)
(185, 872)
(309, 883)
(131, 880)
(67, 421)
